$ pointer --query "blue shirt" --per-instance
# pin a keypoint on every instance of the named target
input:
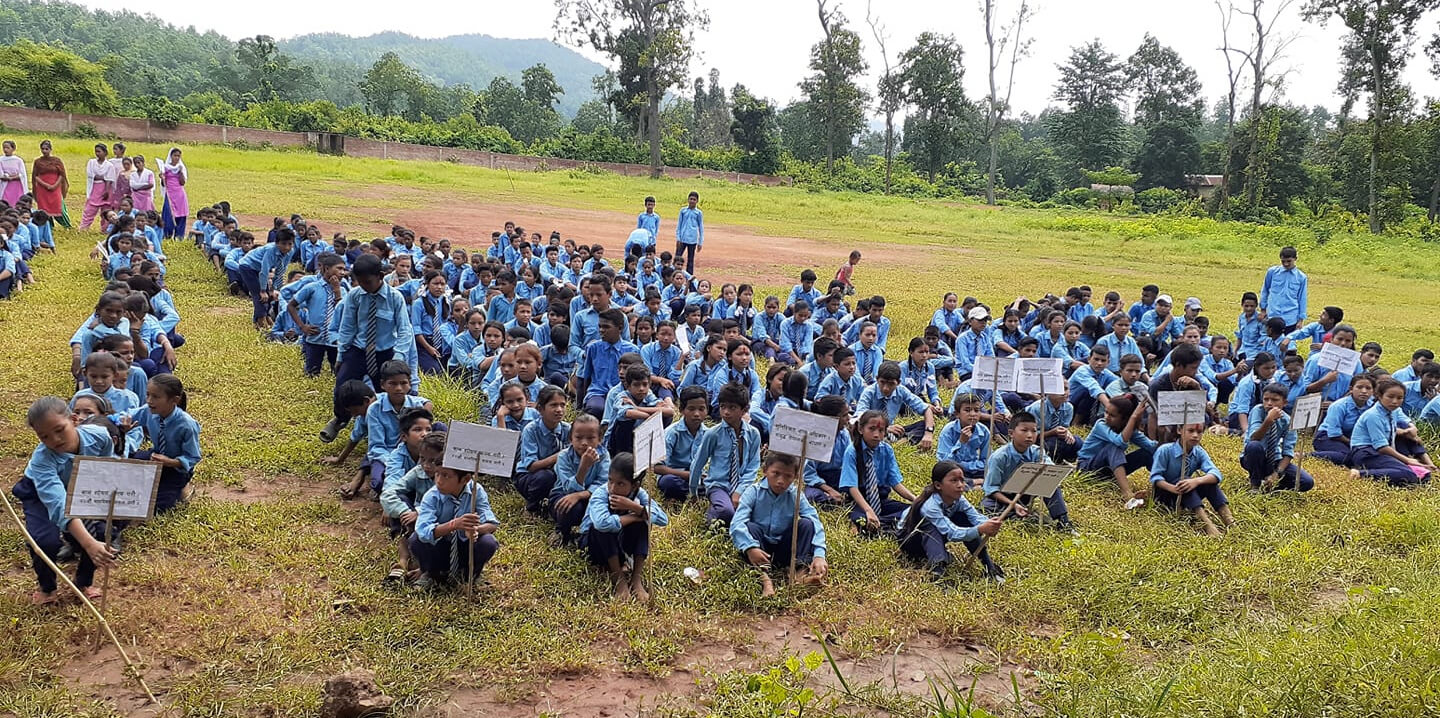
(1249, 330)
(661, 361)
(1340, 418)
(1119, 348)
(404, 492)
(935, 513)
(313, 301)
(558, 362)
(775, 515)
(1101, 434)
(920, 380)
(1333, 391)
(1137, 311)
(437, 508)
(1151, 321)
(50, 470)
(867, 361)
(601, 365)
(1376, 428)
(538, 441)
(1283, 442)
(887, 469)
(968, 346)
(728, 374)
(567, 469)
(952, 321)
(1085, 382)
(815, 375)
(1055, 416)
(892, 404)
(1285, 294)
(882, 331)
(599, 517)
(850, 389)
(122, 400)
(970, 455)
(650, 222)
(1006, 459)
(382, 421)
(1169, 464)
(717, 450)
(467, 351)
(585, 328)
(1246, 393)
(1415, 399)
(268, 259)
(767, 326)
(796, 338)
(391, 315)
(680, 444)
(690, 227)
(1431, 413)
(799, 293)
(180, 432)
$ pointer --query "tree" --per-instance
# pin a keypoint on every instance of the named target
(801, 133)
(391, 87)
(268, 74)
(753, 130)
(1376, 50)
(504, 104)
(890, 93)
(1168, 153)
(657, 38)
(932, 76)
(50, 78)
(1092, 133)
(540, 86)
(833, 95)
(1276, 170)
(1265, 48)
(1166, 88)
(997, 40)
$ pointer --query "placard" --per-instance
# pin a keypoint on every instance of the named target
(93, 478)
(649, 443)
(997, 373)
(1338, 358)
(789, 428)
(1174, 408)
(1041, 480)
(1307, 412)
(482, 449)
(1040, 375)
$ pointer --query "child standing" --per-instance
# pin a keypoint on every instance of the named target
(1173, 477)
(941, 514)
(616, 529)
(375, 321)
(765, 526)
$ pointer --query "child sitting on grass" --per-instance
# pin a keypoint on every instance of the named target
(616, 529)
(401, 496)
(1173, 476)
(764, 525)
(941, 514)
(446, 516)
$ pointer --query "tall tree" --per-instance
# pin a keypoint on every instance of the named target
(1165, 87)
(50, 78)
(890, 93)
(658, 36)
(504, 104)
(1091, 134)
(540, 86)
(391, 87)
(754, 129)
(997, 40)
(268, 74)
(833, 95)
(933, 76)
(1376, 51)
(1264, 47)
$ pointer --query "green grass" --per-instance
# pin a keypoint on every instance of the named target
(1321, 604)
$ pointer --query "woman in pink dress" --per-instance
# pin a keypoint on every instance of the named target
(51, 184)
(142, 186)
(177, 205)
(12, 174)
(99, 180)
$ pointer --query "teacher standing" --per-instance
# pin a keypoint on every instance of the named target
(51, 184)
(12, 174)
(177, 205)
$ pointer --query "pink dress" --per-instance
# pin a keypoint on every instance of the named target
(175, 192)
(142, 190)
(13, 189)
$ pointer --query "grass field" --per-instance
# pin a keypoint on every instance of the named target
(245, 600)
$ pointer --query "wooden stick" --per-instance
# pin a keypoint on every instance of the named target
(994, 397)
(1003, 514)
(1044, 399)
(470, 540)
(129, 666)
(105, 572)
(799, 494)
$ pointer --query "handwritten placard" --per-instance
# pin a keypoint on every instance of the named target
(1040, 375)
(649, 443)
(1174, 408)
(790, 429)
(93, 479)
(1338, 358)
(1307, 412)
(482, 449)
(994, 373)
(1036, 480)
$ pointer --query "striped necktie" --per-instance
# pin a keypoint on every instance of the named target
(1273, 438)
(869, 360)
(372, 363)
(455, 544)
(158, 440)
(871, 489)
(736, 448)
(436, 339)
(329, 315)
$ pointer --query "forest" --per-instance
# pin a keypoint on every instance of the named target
(1128, 129)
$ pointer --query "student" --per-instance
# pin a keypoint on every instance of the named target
(709, 363)
(672, 476)
(1021, 449)
(821, 365)
(1418, 393)
(1380, 434)
(1222, 372)
(766, 331)
(1273, 340)
(918, 373)
(42, 495)
(774, 394)
(843, 380)
(1088, 384)
(401, 497)
(1119, 342)
(415, 426)
(797, 335)
(1060, 445)
(689, 233)
(375, 321)
(1270, 445)
(870, 474)
(428, 315)
(966, 441)
(382, 418)
(765, 525)
(662, 357)
(977, 341)
(616, 529)
(875, 315)
(108, 319)
(1249, 327)
(511, 411)
(648, 221)
(1182, 375)
(1332, 437)
(731, 450)
(1332, 384)
(1104, 450)
(737, 370)
(1148, 294)
(630, 406)
(846, 274)
(314, 309)
(1247, 392)
(262, 271)
(174, 438)
(1284, 293)
(102, 370)
(579, 470)
(1173, 478)
(444, 517)
(599, 369)
(805, 291)
(1418, 361)
(941, 514)
(541, 442)
(1314, 333)
(868, 353)
(888, 397)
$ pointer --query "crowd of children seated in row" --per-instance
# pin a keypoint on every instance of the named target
(544, 330)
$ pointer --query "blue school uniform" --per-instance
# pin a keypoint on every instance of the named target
(662, 362)
(437, 508)
(948, 320)
(1431, 413)
(1340, 418)
(1376, 427)
(1007, 458)
(601, 365)
(1086, 382)
(266, 259)
(799, 292)
(88, 337)
(970, 345)
(398, 462)
(382, 421)
(920, 380)
(559, 362)
(850, 389)
(798, 340)
(970, 455)
(767, 326)
(680, 444)
(773, 517)
(1285, 294)
(897, 401)
(467, 352)
(1247, 393)
(814, 375)
(599, 517)
(122, 400)
(617, 402)
(934, 513)
(650, 222)
(1137, 312)
(538, 441)
(585, 328)
(1118, 348)
(747, 378)
(697, 374)
(388, 310)
(731, 468)
(513, 423)
(404, 493)
(567, 468)
(882, 329)
(886, 470)
(1333, 391)
(867, 361)
(1249, 330)
(1415, 399)
(1102, 435)
(42, 495)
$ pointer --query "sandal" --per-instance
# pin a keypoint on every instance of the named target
(395, 576)
(92, 593)
(40, 598)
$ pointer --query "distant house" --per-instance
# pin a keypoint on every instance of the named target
(1204, 186)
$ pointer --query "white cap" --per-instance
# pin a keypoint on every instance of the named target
(978, 313)
(1193, 303)
(1164, 298)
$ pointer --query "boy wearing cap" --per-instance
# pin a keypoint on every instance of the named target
(973, 342)
(1285, 291)
(1193, 307)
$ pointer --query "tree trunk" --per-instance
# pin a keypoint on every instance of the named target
(1377, 127)
(654, 110)
(1434, 199)
(889, 146)
(992, 116)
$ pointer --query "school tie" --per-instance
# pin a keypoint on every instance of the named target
(372, 363)
(158, 440)
(868, 361)
(1273, 438)
(736, 448)
(435, 337)
(872, 480)
(455, 546)
(329, 315)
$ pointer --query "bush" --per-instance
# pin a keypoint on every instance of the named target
(1159, 199)
(1078, 197)
(85, 131)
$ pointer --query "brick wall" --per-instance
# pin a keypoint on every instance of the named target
(22, 118)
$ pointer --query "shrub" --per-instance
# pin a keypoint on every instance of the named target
(1158, 199)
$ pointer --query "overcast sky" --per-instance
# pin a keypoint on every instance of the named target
(765, 43)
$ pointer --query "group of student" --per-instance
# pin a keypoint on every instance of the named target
(128, 403)
(572, 352)
(25, 231)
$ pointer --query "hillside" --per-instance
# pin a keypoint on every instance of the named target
(471, 59)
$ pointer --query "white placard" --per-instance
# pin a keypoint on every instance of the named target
(997, 373)
(649, 443)
(1036, 480)
(1178, 407)
(1040, 375)
(1307, 412)
(790, 428)
(481, 449)
(93, 479)
(1338, 358)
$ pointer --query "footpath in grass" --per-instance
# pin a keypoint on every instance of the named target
(246, 598)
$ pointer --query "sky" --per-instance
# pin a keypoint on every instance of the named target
(765, 44)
